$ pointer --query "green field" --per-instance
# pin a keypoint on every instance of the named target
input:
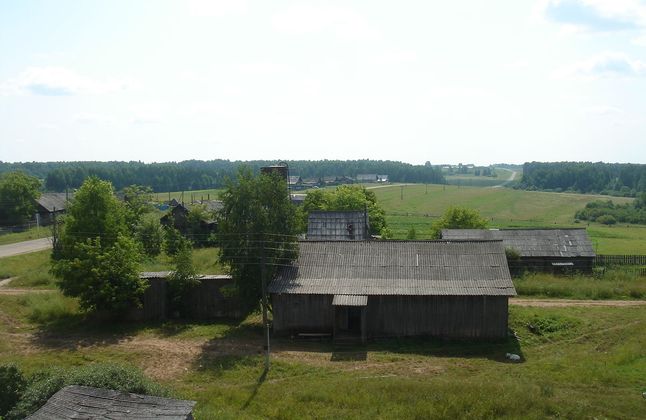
(27, 235)
(188, 196)
(577, 363)
(504, 207)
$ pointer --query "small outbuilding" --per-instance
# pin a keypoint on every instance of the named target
(338, 225)
(371, 289)
(51, 205)
(84, 402)
(547, 250)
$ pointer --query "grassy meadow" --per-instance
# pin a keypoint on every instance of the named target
(503, 207)
(576, 363)
(27, 235)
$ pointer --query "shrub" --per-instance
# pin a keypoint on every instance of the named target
(151, 236)
(12, 384)
(607, 219)
(411, 234)
(43, 385)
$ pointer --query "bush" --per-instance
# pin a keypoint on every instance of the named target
(411, 234)
(12, 384)
(607, 219)
(43, 385)
(151, 236)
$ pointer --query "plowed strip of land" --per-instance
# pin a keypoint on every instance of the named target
(573, 302)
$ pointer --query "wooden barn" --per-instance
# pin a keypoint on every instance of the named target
(178, 217)
(371, 289)
(84, 402)
(338, 225)
(51, 205)
(547, 250)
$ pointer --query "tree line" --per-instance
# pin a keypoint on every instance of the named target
(618, 179)
(609, 213)
(197, 174)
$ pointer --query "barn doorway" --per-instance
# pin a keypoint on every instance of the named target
(350, 317)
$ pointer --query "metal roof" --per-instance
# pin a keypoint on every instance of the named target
(84, 402)
(397, 268)
(337, 225)
(533, 242)
(350, 300)
(54, 201)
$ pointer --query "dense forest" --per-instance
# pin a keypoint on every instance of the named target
(620, 179)
(197, 174)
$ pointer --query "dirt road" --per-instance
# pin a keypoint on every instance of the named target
(25, 247)
(573, 302)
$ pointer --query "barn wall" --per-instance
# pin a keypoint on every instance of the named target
(544, 264)
(442, 316)
(305, 313)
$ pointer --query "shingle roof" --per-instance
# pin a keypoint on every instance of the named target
(83, 402)
(51, 201)
(397, 268)
(533, 242)
(337, 225)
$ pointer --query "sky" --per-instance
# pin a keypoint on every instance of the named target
(446, 82)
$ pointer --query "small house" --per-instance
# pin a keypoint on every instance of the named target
(338, 225)
(51, 205)
(84, 402)
(546, 250)
(364, 289)
(178, 217)
(366, 178)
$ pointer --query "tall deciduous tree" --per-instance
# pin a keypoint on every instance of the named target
(257, 218)
(458, 218)
(98, 260)
(17, 194)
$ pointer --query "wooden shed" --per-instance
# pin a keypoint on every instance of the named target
(51, 205)
(370, 289)
(547, 250)
(338, 225)
(84, 402)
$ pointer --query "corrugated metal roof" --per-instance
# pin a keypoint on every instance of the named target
(397, 268)
(350, 300)
(533, 242)
(54, 201)
(337, 225)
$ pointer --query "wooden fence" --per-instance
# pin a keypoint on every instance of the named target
(609, 260)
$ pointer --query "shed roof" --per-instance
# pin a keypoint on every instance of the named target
(337, 225)
(427, 268)
(54, 201)
(83, 402)
(350, 300)
(166, 274)
(533, 242)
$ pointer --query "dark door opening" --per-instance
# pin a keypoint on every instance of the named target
(354, 319)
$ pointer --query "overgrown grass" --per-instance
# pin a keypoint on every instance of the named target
(577, 363)
(614, 284)
(206, 261)
(31, 270)
(48, 307)
(27, 235)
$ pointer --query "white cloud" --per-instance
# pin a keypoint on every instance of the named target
(90, 118)
(606, 65)
(57, 81)
(602, 110)
(217, 8)
(307, 18)
(596, 15)
(147, 113)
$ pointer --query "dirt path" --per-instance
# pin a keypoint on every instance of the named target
(558, 303)
(25, 247)
(508, 180)
(5, 282)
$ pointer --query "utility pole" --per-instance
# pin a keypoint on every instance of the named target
(263, 279)
(426, 188)
(402, 193)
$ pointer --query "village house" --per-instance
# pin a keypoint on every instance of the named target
(177, 216)
(371, 289)
(367, 178)
(51, 205)
(338, 225)
(547, 250)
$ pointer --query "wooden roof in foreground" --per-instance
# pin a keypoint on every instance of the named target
(83, 402)
(424, 268)
(567, 243)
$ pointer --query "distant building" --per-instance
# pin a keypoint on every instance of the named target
(382, 178)
(364, 289)
(338, 225)
(548, 250)
(51, 205)
(367, 178)
(177, 216)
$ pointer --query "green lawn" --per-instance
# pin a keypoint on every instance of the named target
(577, 363)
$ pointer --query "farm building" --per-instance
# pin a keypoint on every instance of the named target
(338, 225)
(207, 300)
(364, 178)
(368, 289)
(178, 217)
(84, 402)
(550, 250)
(50, 205)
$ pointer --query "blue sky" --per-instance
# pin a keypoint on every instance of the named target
(446, 82)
